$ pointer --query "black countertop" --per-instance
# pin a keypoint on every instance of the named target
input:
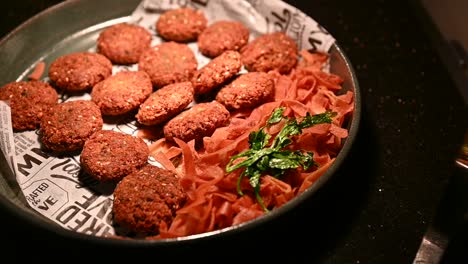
(378, 206)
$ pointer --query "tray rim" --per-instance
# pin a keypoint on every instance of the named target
(30, 214)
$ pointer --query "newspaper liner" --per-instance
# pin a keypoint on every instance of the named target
(56, 187)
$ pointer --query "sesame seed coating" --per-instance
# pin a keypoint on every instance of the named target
(272, 51)
(247, 91)
(29, 102)
(79, 71)
(122, 92)
(216, 72)
(222, 35)
(111, 155)
(168, 62)
(147, 199)
(197, 122)
(68, 125)
(123, 43)
(165, 103)
(181, 24)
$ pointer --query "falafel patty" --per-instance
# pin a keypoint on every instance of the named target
(247, 91)
(79, 71)
(68, 125)
(168, 62)
(197, 122)
(146, 199)
(222, 35)
(109, 155)
(165, 103)
(122, 92)
(271, 51)
(29, 102)
(216, 72)
(181, 24)
(123, 43)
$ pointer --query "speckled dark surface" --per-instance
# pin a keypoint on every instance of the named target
(376, 209)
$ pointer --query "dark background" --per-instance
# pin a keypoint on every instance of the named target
(386, 194)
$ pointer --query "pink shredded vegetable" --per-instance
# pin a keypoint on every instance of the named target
(213, 202)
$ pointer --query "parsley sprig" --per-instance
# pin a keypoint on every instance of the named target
(270, 156)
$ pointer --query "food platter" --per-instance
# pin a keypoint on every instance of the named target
(74, 26)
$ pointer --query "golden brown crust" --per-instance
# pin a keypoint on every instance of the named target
(122, 92)
(147, 199)
(29, 102)
(181, 24)
(68, 125)
(79, 71)
(168, 62)
(123, 43)
(109, 155)
(197, 122)
(272, 51)
(216, 72)
(247, 91)
(222, 35)
(165, 103)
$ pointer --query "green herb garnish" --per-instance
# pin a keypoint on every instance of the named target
(263, 157)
